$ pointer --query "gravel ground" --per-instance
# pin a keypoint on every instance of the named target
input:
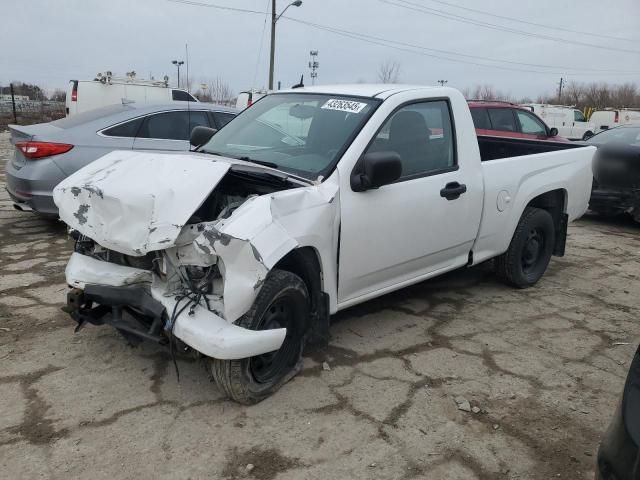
(540, 367)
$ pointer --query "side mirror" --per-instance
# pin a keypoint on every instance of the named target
(587, 135)
(553, 131)
(374, 170)
(201, 135)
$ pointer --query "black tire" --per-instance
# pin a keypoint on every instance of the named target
(283, 301)
(529, 251)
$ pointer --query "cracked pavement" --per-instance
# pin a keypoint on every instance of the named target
(542, 365)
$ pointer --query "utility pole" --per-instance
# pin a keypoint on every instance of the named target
(272, 55)
(442, 82)
(313, 66)
(274, 20)
(560, 85)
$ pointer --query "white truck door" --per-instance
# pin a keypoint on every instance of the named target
(424, 223)
(580, 126)
(559, 118)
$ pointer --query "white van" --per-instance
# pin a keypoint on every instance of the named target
(570, 122)
(83, 95)
(609, 118)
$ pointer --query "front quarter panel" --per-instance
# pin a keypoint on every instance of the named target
(263, 230)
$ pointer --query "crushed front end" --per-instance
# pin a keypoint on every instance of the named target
(171, 257)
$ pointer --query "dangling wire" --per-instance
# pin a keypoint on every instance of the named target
(194, 294)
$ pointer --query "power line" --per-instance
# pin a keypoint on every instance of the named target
(264, 27)
(220, 7)
(550, 27)
(458, 18)
(388, 43)
(411, 48)
(407, 47)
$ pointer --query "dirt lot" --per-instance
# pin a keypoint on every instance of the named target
(542, 365)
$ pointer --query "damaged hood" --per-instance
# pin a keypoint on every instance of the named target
(137, 202)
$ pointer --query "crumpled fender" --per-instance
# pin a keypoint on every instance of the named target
(261, 232)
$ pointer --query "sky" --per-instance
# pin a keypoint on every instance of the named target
(512, 47)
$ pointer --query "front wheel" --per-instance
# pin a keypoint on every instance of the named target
(530, 250)
(283, 302)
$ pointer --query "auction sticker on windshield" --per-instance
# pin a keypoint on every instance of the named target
(344, 105)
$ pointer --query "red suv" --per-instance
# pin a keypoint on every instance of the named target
(504, 119)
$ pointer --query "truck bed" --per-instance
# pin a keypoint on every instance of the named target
(495, 148)
(516, 171)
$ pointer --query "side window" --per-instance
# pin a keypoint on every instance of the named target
(126, 129)
(578, 116)
(422, 134)
(502, 119)
(222, 118)
(530, 124)
(481, 118)
(182, 96)
(172, 125)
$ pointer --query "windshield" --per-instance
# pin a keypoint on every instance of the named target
(627, 135)
(302, 133)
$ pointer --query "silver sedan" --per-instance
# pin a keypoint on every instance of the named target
(46, 153)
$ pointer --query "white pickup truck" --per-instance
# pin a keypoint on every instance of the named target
(310, 201)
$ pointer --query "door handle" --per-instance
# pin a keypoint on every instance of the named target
(453, 190)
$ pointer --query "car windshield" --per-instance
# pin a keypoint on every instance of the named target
(302, 133)
(627, 135)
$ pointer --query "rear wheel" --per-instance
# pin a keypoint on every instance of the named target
(530, 250)
(283, 302)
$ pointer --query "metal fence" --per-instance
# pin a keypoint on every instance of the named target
(28, 112)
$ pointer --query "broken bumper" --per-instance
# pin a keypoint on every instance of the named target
(115, 287)
(614, 199)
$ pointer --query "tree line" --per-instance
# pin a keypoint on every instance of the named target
(581, 95)
(34, 92)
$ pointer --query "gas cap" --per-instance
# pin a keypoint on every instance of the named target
(504, 200)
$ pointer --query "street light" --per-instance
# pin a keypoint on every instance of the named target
(274, 19)
(177, 64)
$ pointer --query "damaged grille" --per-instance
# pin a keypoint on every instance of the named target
(87, 246)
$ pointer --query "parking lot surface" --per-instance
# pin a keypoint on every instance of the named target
(540, 370)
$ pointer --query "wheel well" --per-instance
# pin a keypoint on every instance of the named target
(305, 263)
(554, 202)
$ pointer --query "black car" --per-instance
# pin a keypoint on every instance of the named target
(616, 170)
(619, 454)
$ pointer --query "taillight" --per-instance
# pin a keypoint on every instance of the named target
(35, 150)
(616, 117)
(74, 91)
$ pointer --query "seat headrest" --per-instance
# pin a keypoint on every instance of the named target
(408, 125)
